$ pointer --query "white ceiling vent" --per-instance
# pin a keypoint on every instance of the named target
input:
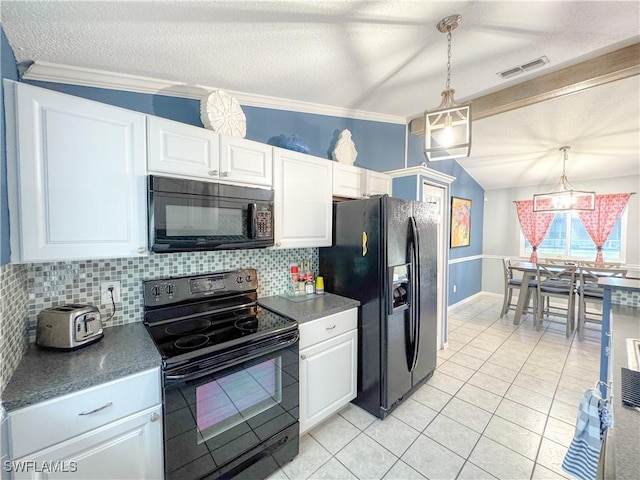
(525, 67)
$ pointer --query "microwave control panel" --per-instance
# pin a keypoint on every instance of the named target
(263, 224)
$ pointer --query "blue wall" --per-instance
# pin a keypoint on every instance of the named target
(7, 70)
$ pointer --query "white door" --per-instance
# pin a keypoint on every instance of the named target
(377, 183)
(181, 149)
(81, 176)
(437, 195)
(328, 378)
(130, 448)
(302, 186)
(245, 161)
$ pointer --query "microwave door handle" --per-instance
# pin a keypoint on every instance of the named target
(252, 221)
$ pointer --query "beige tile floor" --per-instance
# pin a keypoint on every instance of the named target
(501, 404)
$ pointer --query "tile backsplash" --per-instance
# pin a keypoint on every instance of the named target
(50, 284)
(13, 308)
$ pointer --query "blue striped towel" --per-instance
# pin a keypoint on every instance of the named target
(582, 456)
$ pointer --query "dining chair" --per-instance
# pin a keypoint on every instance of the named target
(555, 282)
(559, 261)
(511, 283)
(590, 292)
(592, 264)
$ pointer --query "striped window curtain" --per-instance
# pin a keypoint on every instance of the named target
(534, 225)
(600, 221)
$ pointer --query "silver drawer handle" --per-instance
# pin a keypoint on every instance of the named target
(97, 409)
(213, 173)
(303, 357)
(225, 174)
(331, 328)
(155, 417)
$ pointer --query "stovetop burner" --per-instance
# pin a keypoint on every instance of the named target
(248, 324)
(188, 326)
(191, 341)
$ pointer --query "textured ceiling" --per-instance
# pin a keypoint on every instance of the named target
(383, 57)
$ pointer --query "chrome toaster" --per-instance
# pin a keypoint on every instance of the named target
(68, 326)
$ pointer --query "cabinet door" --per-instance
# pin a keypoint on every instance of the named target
(245, 161)
(81, 176)
(128, 448)
(377, 183)
(328, 378)
(348, 181)
(182, 149)
(302, 187)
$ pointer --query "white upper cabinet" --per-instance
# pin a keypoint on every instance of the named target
(376, 183)
(80, 170)
(180, 149)
(355, 182)
(302, 187)
(246, 161)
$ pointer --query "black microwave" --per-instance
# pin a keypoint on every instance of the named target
(191, 215)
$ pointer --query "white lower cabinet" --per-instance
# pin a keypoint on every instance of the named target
(127, 448)
(328, 366)
(110, 431)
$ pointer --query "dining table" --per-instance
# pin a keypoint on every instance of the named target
(529, 271)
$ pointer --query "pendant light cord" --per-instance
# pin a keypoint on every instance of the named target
(448, 58)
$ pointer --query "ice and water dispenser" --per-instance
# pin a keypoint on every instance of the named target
(399, 278)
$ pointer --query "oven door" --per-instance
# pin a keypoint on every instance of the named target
(217, 217)
(240, 415)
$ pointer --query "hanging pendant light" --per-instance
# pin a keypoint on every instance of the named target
(563, 196)
(448, 127)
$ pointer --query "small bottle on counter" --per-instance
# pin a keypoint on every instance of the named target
(295, 279)
(319, 285)
(308, 287)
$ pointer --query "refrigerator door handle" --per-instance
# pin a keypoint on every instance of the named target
(415, 294)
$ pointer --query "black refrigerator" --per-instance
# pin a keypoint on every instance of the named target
(384, 255)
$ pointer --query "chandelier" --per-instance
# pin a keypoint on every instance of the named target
(563, 196)
(448, 128)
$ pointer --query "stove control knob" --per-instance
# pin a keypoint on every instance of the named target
(156, 290)
(170, 289)
(248, 278)
(239, 279)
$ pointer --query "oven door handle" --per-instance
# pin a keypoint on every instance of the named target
(244, 358)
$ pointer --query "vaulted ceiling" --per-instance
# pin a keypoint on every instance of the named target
(383, 58)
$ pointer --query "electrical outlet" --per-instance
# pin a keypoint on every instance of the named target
(105, 295)
(455, 287)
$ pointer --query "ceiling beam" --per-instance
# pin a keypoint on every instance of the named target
(606, 68)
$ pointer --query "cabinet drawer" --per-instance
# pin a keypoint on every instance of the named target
(327, 327)
(38, 426)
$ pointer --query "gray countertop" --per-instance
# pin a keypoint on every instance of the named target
(626, 431)
(44, 374)
(309, 307)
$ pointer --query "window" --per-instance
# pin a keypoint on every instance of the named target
(567, 238)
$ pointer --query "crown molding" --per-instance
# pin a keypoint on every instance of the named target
(88, 77)
(422, 171)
